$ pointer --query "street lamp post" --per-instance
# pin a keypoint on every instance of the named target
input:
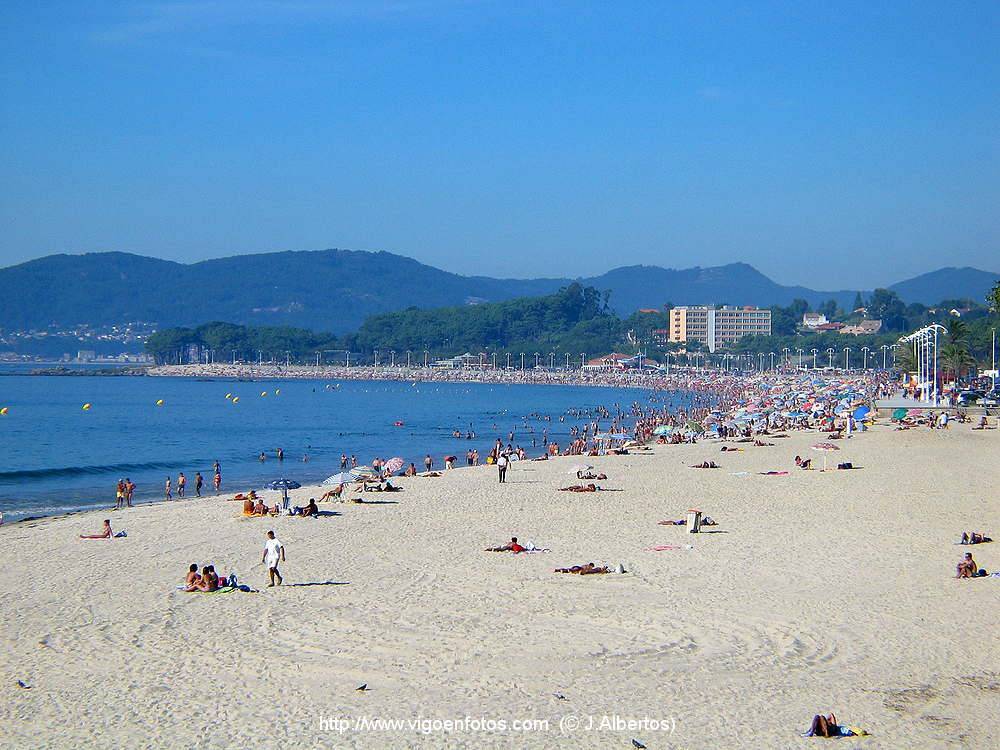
(522, 360)
(772, 359)
(392, 358)
(508, 360)
(567, 361)
(426, 355)
(814, 353)
(864, 352)
(829, 352)
(885, 351)
(799, 351)
(408, 353)
(376, 359)
(583, 359)
(847, 358)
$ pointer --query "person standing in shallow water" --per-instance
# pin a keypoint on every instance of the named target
(167, 491)
(198, 482)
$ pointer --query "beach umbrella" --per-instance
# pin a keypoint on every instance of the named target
(824, 448)
(695, 427)
(284, 485)
(394, 464)
(898, 414)
(362, 471)
(663, 429)
(861, 412)
(337, 479)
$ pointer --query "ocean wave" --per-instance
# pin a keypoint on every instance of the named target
(71, 471)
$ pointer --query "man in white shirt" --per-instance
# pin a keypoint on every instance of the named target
(274, 551)
(502, 462)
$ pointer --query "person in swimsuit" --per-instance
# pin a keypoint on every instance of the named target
(198, 482)
(584, 570)
(106, 534)
(166, 490)
(192, 576)
(967, 568)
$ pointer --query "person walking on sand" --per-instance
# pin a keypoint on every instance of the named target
(198, 482)
(274, 552)
(502, 461)
(166, 490)
(181, 484)
(428, 462)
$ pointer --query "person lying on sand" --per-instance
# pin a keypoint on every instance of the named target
(847, 466)
(706, 521)
(106, 534)
(431, 474)
(762, 444)
(827, 726)
(967, 568)
(590, 475)
(580, 488)
(706, 465)
(511, 546)
(803, 463)
(729, 449)
(584, 570)
(974, 537)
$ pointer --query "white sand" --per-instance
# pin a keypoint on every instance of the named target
(822, 591)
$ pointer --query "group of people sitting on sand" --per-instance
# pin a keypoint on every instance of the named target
(706, 465)
(827, 726)
(254, 506)
(974, 537)
(207, 580)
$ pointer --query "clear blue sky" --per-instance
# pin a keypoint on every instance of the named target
(830, 144)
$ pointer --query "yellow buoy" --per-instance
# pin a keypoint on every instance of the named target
(159, 402)
(229, 396)
(3, 411)
(263, 393)
(236, 399)
(86, 407)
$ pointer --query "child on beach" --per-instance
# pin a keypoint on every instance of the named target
(106, 534)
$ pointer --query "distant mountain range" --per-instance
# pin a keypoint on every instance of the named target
(335, 290)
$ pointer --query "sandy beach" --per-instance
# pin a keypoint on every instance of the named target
(817, 591)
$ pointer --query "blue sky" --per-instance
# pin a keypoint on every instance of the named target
(830, 144)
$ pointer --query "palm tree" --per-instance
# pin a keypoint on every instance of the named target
(906, 359)
(955, 358)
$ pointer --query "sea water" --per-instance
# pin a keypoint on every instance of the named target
(56, 457)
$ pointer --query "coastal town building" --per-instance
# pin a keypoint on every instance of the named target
(864, 328)
(813, 320)
(717, 327)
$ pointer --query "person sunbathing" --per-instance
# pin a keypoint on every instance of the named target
(584, 570)
(106, 534)
(431, 474)
(706, 465)
(213, 577)
(827, 726)
(762, 444)
(974, 537)
(580, 488)
(729, 449)
(967, 568)
(248, 507)
(591, 475)
(259, 509)
(511, 546)
(803, 463)
(335, 494)
(192, 576)
(309, 510)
